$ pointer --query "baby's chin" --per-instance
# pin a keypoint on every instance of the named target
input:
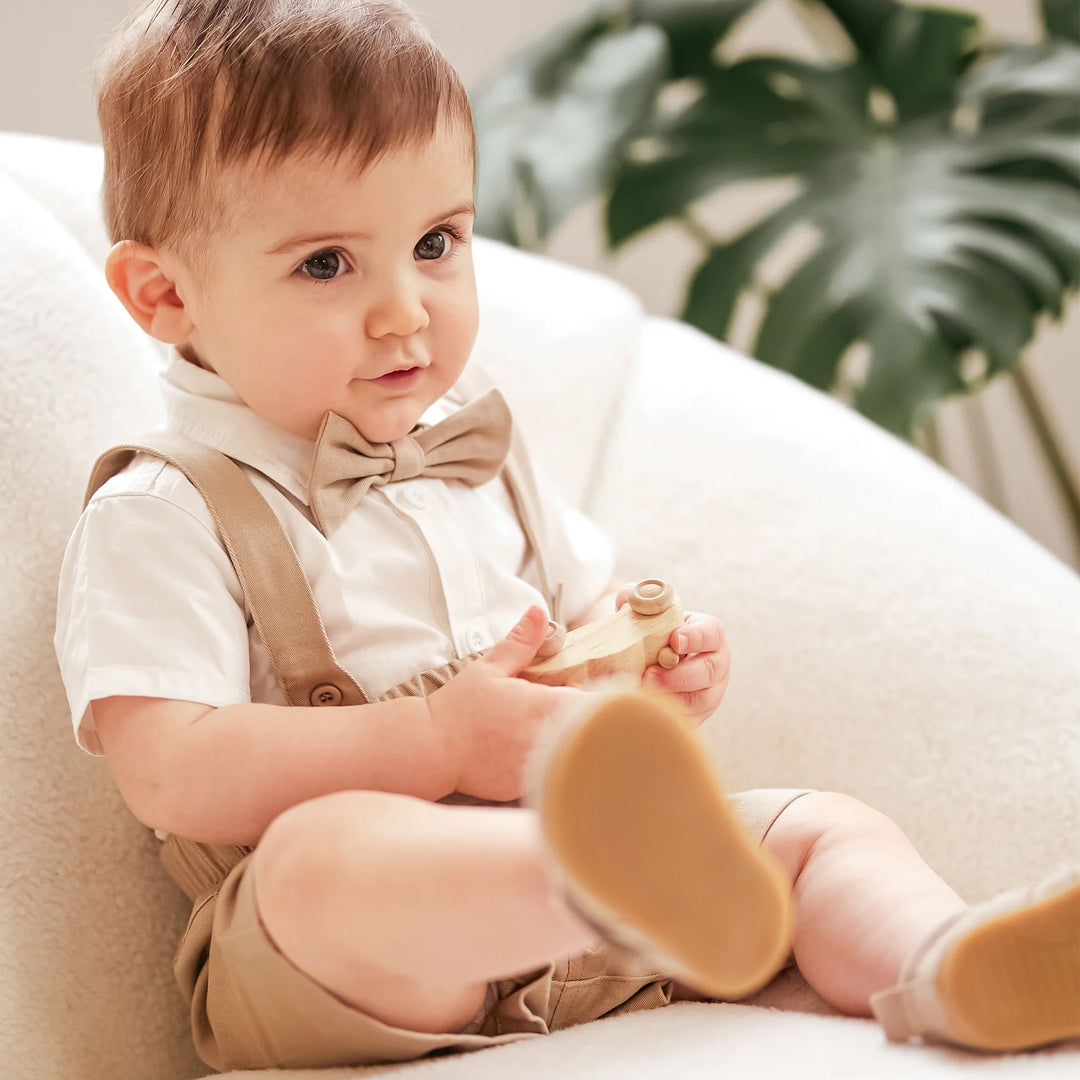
(385, 429)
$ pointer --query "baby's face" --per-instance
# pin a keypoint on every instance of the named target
(344, 293)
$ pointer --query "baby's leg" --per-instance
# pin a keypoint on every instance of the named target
(406, 909)
(870, 917)
(863, 898)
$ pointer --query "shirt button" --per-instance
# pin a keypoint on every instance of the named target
(415, 497)
(476, 638)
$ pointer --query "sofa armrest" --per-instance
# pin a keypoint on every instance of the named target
(893, 636)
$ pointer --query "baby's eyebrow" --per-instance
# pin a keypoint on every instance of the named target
(464, 208)
(311, 239)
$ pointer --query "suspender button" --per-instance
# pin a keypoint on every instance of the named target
(325, 694)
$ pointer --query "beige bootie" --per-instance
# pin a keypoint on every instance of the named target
(649, 850)
(1004, 975)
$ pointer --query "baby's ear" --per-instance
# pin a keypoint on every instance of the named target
(137, 274)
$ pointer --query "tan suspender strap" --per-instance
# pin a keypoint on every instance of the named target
(521, 482)
(276, 591)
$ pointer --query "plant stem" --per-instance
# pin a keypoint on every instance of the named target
(1068, 481)
(698, 231)
(928, 439)
(985, 454)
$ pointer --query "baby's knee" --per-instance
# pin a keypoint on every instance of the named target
(833, 811)
(314, 843)
(821, 818)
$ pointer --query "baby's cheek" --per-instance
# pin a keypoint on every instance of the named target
(459, 320)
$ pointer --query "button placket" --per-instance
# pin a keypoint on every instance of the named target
(416, 498)
(451, 551)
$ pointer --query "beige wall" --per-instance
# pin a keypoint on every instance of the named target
(46, 46)
(45, 54)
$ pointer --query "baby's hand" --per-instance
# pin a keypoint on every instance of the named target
(488, 719)
(700, 678)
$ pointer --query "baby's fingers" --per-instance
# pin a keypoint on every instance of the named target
(692, 674)
(698, 634)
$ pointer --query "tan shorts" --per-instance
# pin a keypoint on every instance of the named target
(251, 1008)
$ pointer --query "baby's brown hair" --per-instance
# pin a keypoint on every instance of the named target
(187, 88)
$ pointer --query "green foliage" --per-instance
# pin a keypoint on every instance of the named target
(550, 129)
(1061, 19)
(940, 176)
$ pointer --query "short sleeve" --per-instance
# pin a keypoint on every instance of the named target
(148, 606)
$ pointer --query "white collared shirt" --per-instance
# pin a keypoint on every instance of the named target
(422, 571)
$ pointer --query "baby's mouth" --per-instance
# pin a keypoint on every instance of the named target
(399, 376)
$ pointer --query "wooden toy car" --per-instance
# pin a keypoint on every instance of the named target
(630, 640)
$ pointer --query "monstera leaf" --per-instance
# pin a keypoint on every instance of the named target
(940, 178)
(943, 195)
(551, 128)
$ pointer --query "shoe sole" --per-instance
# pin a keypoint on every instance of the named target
(631, 808)
(1014, 982)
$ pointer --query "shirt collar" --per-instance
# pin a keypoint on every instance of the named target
(202, 406)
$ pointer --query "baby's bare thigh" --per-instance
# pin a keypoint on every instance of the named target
(325, 879)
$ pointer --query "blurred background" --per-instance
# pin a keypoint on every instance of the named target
(996, 397)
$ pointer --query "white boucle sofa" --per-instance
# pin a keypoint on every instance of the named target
(893, 637)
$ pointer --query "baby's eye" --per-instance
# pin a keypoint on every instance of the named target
(324, 265)
(434, 245)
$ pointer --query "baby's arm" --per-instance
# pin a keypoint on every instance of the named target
(221, 775)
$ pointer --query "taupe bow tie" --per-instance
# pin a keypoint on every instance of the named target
(470, 445)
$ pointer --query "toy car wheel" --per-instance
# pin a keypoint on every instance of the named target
(652, 596)
(556, 637)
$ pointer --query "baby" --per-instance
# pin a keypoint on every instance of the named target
(338, 519)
